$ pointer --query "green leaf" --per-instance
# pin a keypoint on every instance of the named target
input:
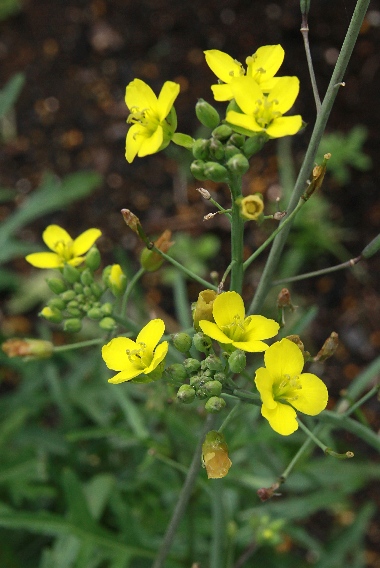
(10, 93)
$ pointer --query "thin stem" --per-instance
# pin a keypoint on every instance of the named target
(221, 209)
(218, 525)
(320, 125)
(185, 270)
(79, 345)
(183, 498)
(305, 34)
(298, 455)
(348, 264)
(230, 416)
(361, 401)
(237, 232)
(312, 436)
(129, 290)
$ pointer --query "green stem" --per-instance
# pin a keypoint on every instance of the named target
(79, 345)
(221, 209)
(129, 290)
(237, 232)
(312, 436)
(185, 270)
(184, 497)
(298, 455)
(230, 416)
(218, 525)
(320, 125)
(305, 35)
(349, 264)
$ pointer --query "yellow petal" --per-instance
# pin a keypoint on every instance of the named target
(159, 355)
(223, 65)
(227, 307)
(135, 137)
(313, 396)
(115, 353)
(166, 98)
(212, 330)
(127, 375)
(246, 92)
(284, 358)
(152, 144)
(267, 57)
(264, 384)
(285, 93)
(151, 334)
(284, 126)
(84, 242)
(54, 234)
(282, 419)
(260, 327)
(222, 92)
(243, 120)
(44, 260)
(139, 95)
(253, 346)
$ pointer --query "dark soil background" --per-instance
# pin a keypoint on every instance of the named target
(78, 56)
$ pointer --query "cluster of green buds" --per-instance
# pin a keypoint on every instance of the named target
(203, 380)
(226, 152)
(78, 294)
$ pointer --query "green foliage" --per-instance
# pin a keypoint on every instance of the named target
(9, 8)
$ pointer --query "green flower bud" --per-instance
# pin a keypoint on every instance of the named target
(87, 291)
(68, 295)
(95, 314)
(80, 298)
(207, 114)
(237, 361)
(221, 377)
(215, 172)
(201, 342)
(107, 309)
(96, 289)
(238, 164)
(56, 285)
(75, 312)
(191, 365)
(213, 388)
(78, 288)
(108, 324)
(51, 314)
(213, 363)
(196, 381)
(197, 169)
(72, 325)
(176, 372)
(215, 404)
(254, 144)
(56, 303)
(182, 342)
(86, 277)
(216, 150)
(230, 150)
(70, 273)
(237, 139)
(93, 259)
(222, 132)
(201, 149)
(186, 394)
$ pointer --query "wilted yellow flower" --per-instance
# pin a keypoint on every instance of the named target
(28, 348)
(202, 309)
(66, 250)
(215, 455)
(251, 207)
(117, 280)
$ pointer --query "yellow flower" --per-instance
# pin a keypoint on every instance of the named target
(232, 328)
(282, 386)
(117, 280)
(133, 358)
(153, 119)
(264, 113)
(261, 66)
(215, 455)
(66, 250)
(202, 308)
(251, 207)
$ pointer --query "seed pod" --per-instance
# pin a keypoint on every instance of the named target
(207, 114)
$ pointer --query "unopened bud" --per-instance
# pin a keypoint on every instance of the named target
(237, 361)
(176, 373)
(207, 114)
(222, 132)
(182, 342)
(107, 309)
(86, 277)
(254, 144)
(72, 325)
(231, 150)
(213, 363)
(213, 388)
(238, 164)
(95, 314)
(328, 348)
(107, 324)
(28, 348)
(197, 168)
(216, 150)
(201, 342)
(251, 207)
(237, 139)
(186, 394)
(70, 273)
(93, 259)
(215, 455)
(57, 304)
(191, 365)
(201, 149)
(51, 314)
(215, 172)
(221, 377)
(68, 295)
(215, 404)
(116, 280)
(202, 309)
(56, 285)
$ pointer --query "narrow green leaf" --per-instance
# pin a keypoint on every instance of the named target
(10, 93)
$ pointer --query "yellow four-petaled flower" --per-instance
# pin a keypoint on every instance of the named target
(284, 388)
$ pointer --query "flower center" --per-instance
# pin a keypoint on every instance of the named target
(64, 250)
(139, 357)
(265, 111)
(146, 117)
(235, 330)
(287, 388)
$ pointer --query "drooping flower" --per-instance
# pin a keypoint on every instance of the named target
(264, 113)
(232, 328)
(65, 249)
(284, 388)
(153, 119)
(116, 279)
(251, 207)
(261, 66)
(215, 455)
(133, 358)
